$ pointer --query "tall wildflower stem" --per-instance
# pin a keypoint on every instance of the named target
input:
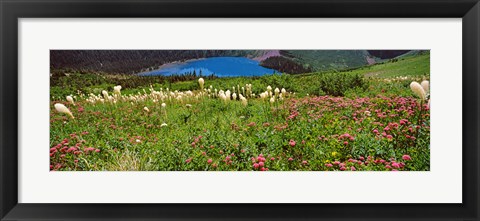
(266, 107)
(419, 121)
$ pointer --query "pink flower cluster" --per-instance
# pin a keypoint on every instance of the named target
(60, 152)
(196, 140)
(258, 162)
(292, 142)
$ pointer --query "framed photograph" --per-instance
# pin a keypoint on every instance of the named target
(199, 110)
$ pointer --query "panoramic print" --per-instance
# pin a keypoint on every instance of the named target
(239, 110)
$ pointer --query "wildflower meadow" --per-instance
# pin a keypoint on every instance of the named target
(374, 118)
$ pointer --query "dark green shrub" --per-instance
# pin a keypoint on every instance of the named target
(336, 84)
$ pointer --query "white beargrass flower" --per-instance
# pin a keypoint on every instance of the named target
(227, 94)
(70, 99)
(248, 90)
(146, 109)
(277, 91)
(64, 110)
(201, 82)
(105, 94)
(164, 105)
(418, 90)
(269, 88)
(117, 89)
(234, 96)
(244, 101)
(284, 91)
(223, 97)
(263, 95)
(272, 100)
(426, 86)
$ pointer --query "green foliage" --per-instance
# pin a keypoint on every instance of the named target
(128, 138)
(337, 84)
(320, 60)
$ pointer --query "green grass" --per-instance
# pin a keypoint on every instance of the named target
(408, 66)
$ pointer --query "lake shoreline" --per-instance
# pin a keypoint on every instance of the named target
(218, 66)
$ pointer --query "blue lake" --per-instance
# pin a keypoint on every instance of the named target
(219, 66)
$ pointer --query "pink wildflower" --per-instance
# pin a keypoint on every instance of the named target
(406, 157)
(292, 143)
(395, 164)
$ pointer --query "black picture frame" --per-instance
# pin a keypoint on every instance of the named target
(12, 10)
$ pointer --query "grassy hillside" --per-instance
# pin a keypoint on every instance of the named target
(414, 65)
(328, 60)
